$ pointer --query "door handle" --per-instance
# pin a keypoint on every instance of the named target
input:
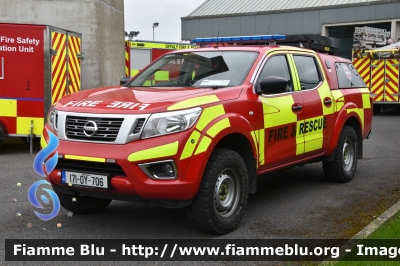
(328, 102)
(297, 108)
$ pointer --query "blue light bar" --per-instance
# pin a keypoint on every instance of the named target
(273, 37)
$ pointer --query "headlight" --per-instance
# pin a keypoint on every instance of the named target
(170, 122)
(52, 118)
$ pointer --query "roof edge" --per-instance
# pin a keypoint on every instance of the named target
(375, 3)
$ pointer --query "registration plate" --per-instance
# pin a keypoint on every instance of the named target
(85, 179)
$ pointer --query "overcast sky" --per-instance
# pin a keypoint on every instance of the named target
(140, 16)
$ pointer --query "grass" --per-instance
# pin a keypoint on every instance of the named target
(388, 235)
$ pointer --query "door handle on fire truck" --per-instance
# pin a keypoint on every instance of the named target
(327, 101)
(297, 108)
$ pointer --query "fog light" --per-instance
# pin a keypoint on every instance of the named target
(167, 168)
(160, 170)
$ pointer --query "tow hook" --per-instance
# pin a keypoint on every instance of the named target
(369, 134)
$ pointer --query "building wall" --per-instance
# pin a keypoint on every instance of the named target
(301, 22)
(101, 23)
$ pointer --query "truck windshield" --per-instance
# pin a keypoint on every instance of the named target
(197, 69)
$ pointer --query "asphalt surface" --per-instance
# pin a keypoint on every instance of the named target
(297, 203)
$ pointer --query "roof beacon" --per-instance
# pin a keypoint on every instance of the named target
(234, 39)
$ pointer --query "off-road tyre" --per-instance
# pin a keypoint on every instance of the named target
(344, 165)
(82, 205)
(221, 201)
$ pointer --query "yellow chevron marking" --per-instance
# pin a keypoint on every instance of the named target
(73, 67)
(59, 68)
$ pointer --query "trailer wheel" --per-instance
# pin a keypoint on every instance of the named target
(2, 133)
(344, 165)
(377, 109)
(221, 201)
(82, 205)
(28, 139)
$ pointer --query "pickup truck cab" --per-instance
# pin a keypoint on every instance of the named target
(196, 127)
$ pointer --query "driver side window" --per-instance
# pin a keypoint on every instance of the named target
(276, 66)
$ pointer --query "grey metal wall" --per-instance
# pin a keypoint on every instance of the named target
(301, 22)
(101, 23)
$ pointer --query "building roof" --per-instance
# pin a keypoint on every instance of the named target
(216, 8)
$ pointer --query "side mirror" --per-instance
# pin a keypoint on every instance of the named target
(271, 85)
(124, 80)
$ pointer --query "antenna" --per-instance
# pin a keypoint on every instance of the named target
(216, 46)
(267, 34)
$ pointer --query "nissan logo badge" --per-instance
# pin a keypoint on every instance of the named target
(90, 128)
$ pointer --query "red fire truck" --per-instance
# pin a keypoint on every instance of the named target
(39, 64)
(378, 63)
(200, 136)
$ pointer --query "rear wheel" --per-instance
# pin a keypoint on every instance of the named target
(343, 167)
(82, 205)
(221, 201)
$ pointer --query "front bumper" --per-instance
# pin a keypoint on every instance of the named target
(130, 182)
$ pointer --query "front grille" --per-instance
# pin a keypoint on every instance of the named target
(91, 167)
(108, 128)
(139, 125)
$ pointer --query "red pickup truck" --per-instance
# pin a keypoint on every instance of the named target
(196, 127)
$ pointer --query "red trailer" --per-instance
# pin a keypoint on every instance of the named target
(38, 65)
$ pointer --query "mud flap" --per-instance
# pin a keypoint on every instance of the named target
(253, 183)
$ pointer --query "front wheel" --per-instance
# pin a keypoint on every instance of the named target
(343, 167)
(221, 201)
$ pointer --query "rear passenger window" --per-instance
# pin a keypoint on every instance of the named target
(309, 73)
(348, 76)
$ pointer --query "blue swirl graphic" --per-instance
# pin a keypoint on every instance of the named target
(42, 158)
(32, 198)
(44, 164)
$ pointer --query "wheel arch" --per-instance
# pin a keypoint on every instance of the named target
(355, 123)
(245, 150)
(352, 120)
(238, 132)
